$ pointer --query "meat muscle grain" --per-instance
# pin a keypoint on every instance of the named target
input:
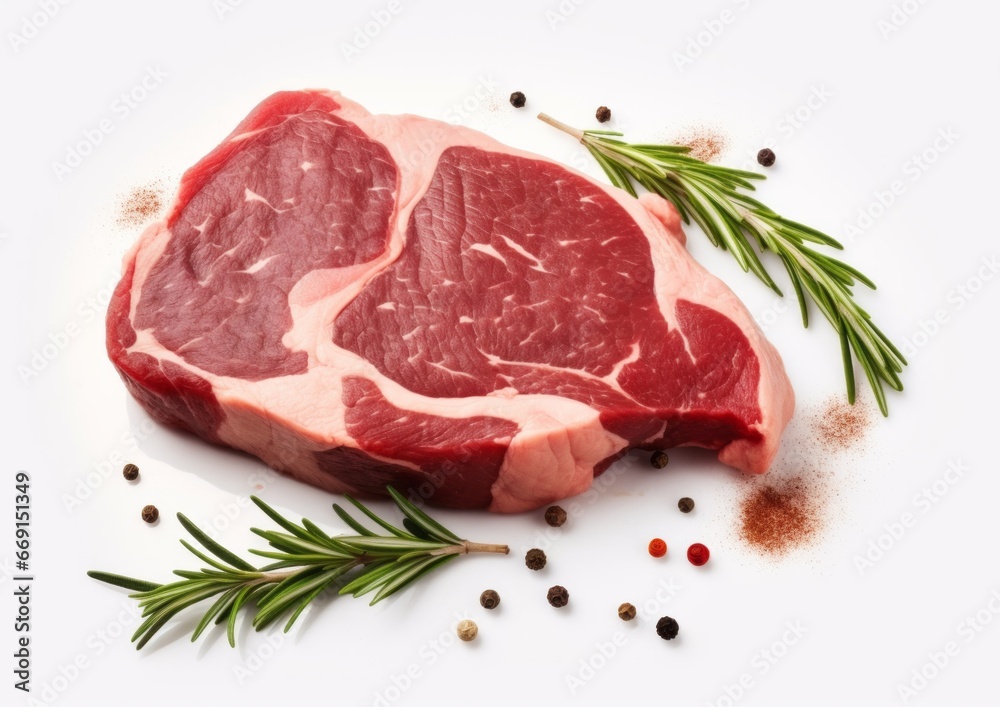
(365, 299)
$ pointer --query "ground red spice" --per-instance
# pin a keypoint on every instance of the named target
(140, 205)
(778, 517)
(841, 424)
(706, 144)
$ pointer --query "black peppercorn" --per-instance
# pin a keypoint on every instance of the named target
(534, 559)
(766, 157)
(659, 459)
(555, 516)
(489, 599)
(667, 628)
(130, 472)
(558, 596)
(517, 99)
(686, 505)
(150, 513)
(603, 114)
(626, 612)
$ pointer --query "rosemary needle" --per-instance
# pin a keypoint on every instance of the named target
(710, 195)
(305, 563)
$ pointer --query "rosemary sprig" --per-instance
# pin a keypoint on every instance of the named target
(710, 195)
(305, 562)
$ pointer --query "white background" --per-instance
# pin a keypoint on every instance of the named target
(889, 89)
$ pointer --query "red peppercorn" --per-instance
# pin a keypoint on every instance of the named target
(698, 554)
(657, 548)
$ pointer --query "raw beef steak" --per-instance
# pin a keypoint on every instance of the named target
(367, 299)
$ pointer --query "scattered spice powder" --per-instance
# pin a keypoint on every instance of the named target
(841, 424)
(706, 144)
(777, 518)
(140, 205)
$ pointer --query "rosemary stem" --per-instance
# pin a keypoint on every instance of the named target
(578, 134)
(468, 547)
(267, 577)
(711, 197)
(309, 562)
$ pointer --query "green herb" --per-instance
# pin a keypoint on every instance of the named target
(710, 195)
(306, 562)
